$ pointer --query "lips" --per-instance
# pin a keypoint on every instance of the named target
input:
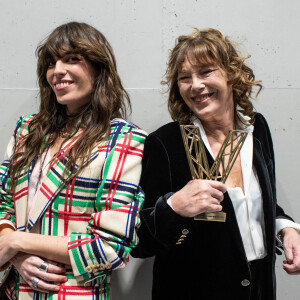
(202, 97)
(62, 84)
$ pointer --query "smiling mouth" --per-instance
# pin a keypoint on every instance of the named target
(62, 84)
(202, 97)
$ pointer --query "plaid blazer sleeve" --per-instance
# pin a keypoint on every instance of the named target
(7, 210)
(111, 232)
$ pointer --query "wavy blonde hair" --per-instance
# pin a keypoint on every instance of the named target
(108, 99)
(204, 47)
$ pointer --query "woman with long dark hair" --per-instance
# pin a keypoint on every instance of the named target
(69, 185)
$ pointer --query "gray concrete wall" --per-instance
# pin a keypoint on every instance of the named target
(141, 33)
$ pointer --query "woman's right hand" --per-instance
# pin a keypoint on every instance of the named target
(28, 267)
(198, 196)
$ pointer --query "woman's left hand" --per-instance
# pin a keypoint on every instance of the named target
(47, 274)
(291, 246)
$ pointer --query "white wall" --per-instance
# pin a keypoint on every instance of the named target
(141, 32)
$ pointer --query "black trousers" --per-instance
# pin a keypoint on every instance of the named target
(258, 278)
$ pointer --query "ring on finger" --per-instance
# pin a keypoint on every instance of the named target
(44, 266)
(35, 282)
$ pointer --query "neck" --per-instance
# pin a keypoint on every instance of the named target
(218, 126)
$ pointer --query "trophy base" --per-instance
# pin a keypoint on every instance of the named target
(211, 216)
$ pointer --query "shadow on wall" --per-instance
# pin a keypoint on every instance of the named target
(133, 282)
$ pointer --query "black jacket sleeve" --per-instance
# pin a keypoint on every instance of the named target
(160, 227)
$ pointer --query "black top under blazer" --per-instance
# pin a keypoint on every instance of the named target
(196, 259)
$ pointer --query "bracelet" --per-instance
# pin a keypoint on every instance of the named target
(279, 239)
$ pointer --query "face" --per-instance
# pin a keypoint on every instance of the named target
(205, 90)
(71, 77)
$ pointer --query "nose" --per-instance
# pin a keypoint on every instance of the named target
(60, 68)
(197, 83)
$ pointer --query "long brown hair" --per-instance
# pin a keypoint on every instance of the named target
(209, 46)
(108, 100)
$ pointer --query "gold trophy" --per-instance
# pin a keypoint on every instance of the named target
(196, 155)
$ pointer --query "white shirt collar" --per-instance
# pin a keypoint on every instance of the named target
(244, 125)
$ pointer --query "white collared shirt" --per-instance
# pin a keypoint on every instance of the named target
(248, 206)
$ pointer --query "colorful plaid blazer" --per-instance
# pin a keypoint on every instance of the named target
(98, 210)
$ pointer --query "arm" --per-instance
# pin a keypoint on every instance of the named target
(14, 240)
(50, 247)
(285, 226)
(112, 229)
(27, 265)
(7, 210)
(161, 225)
(291, 247)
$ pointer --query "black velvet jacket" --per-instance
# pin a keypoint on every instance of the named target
(196, 259)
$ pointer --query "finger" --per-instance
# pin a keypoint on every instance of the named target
(288, 254)
(291, 269)
(214, 208)
(217, 194)
(56, 268)
(46, 286)
(218, 185)
(55, 263)
(51, 277)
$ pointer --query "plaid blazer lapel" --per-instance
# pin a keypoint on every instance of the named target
(53, 182)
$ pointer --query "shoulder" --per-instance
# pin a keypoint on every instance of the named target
(167, 137)
(122, 127)
(262, 133)
(22, 124)
(25, 120)
(259, 119)
(261, 127)
(167, 131)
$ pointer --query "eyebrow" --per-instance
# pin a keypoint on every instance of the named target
(182, 71)
(201, 67)
(68, 53)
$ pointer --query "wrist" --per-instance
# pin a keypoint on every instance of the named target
(286, 230)
(280, 236)
(16, 241)
(6, 229)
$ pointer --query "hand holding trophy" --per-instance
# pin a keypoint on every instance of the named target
(222, 165)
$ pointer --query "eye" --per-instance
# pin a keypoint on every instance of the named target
(73, 59)
(207, 72)
(183, 78)
(51, 64)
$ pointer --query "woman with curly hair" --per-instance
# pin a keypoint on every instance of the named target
(69, 185)
(210, 88)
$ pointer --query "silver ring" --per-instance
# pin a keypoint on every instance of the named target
(35, 282)
(44, 266)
